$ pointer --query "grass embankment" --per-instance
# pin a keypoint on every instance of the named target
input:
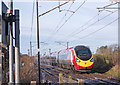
(114, 71)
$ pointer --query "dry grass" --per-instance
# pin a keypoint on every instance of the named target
(28, 70)
(115, 71)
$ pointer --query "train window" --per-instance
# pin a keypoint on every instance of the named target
(83, 54)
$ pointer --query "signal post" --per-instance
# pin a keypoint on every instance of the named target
(8, 17)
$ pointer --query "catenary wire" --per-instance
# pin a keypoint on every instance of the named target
(60, 21)
(64, 16)
(67, 20)
(96, 30)
(91, 25)
(71, 16)
(32, 20)
(74, 32)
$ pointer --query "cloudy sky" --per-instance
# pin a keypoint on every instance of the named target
(56, 27)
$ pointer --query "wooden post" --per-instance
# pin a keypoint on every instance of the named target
(70, 79)
(60, 78)
(81, 82)
(38, 43)
(41, 76)
(33, 82)
(1, 76)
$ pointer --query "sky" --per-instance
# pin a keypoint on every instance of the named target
(51, 33)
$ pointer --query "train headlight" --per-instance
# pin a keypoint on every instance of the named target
(77, 60)
(92, 60)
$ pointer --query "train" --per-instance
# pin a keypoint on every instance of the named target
(77, 58)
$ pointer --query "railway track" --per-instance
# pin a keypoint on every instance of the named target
(89, 79)
(52, 77)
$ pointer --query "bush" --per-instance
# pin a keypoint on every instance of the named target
(100, 64)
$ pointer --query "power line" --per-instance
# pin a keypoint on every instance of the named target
(57, 46)
(106, 7)
(61, 21)
(68, 18)
(64, 16)
(98, 29)
(96, 22)
(32, 19)
(53, 9)
(85, 23)
(91, 24)
(71, 16)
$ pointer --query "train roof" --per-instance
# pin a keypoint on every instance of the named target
(78, 46)
(82, 46)
(64, 50)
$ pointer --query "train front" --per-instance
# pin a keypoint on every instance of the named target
(83, 59)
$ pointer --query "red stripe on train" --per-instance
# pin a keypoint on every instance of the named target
(74, 61)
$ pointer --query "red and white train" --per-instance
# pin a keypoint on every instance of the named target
(76, 58)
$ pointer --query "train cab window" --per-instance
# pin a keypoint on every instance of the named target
(83, 54)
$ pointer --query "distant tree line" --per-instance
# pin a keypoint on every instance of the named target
(110, 53)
